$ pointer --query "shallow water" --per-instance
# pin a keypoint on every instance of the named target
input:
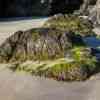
(93, 43)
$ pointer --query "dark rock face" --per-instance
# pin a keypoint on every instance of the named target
(37, 7)
(65, 6)
(12, 8)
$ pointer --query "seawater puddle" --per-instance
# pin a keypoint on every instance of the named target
(94, 44)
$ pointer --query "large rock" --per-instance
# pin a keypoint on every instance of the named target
(36, 44)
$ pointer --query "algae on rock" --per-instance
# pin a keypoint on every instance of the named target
(73, 23)
(36, 44)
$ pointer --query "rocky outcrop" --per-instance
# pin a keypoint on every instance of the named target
(36, 44)
(78, 68)
(87, 6)
(74, 23)
(91, 8)
(52, 42)
(59, 69)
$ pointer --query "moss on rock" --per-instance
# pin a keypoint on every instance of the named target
(80, 66)
(71, 23)
(60, 69)
(36, 44)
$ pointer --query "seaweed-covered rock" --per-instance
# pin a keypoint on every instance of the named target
(79, 66)
(37, 44)
(59, 69)
(73, 23)
(67, 71)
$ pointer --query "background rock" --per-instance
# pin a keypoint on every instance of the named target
(40, 7)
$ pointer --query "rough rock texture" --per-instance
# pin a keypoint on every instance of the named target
(36, 44)
(78, 66)
(59, 69)
(92, 9)
(74, 23)
(87, 5)
(98, 11)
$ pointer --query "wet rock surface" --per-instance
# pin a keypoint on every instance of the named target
(35, 44)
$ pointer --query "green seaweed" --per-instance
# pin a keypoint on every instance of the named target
(71, 23)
